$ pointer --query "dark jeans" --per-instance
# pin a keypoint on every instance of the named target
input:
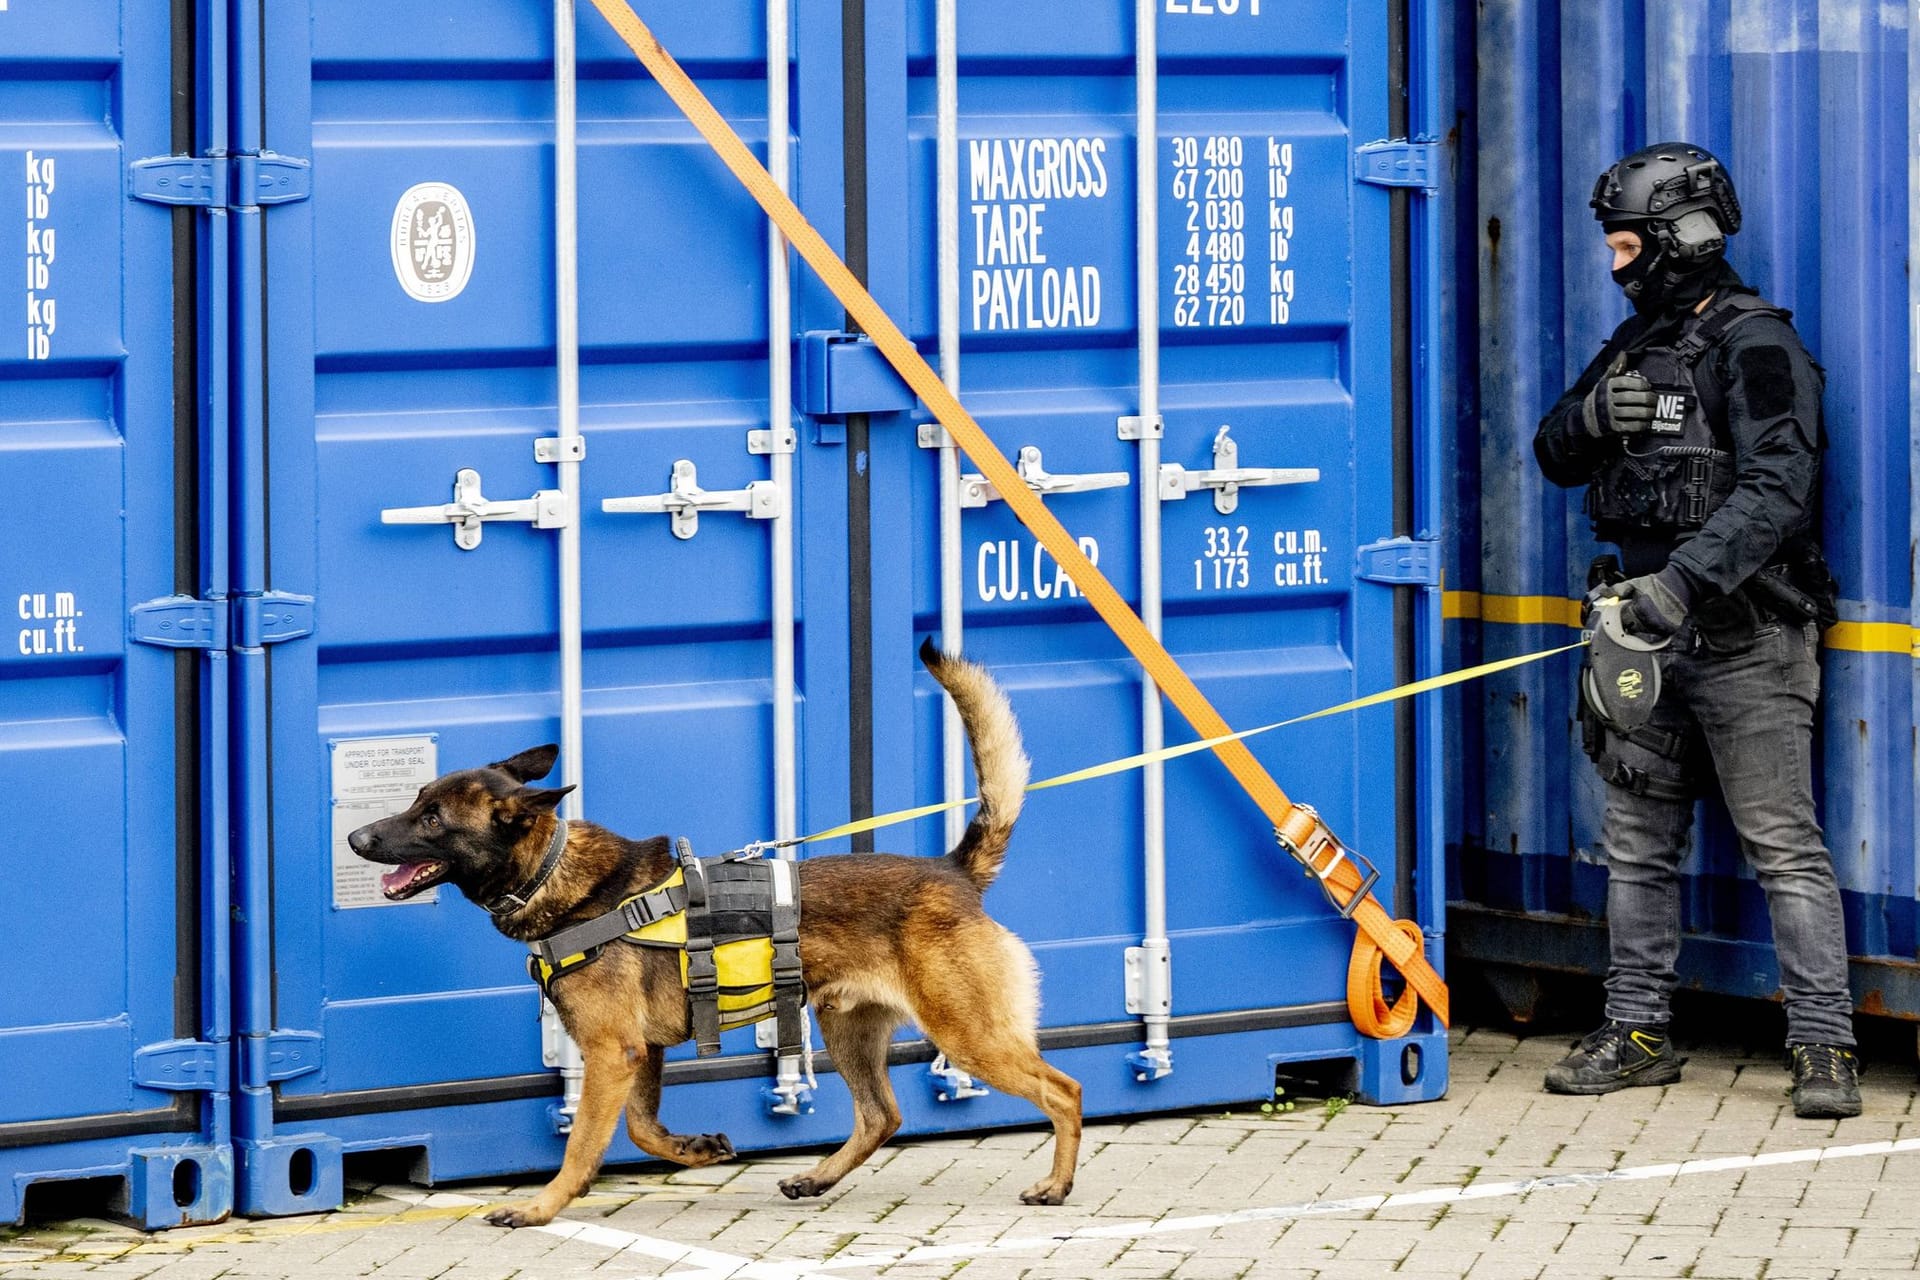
(1755, 713)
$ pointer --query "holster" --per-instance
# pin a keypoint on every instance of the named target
(1775, 592)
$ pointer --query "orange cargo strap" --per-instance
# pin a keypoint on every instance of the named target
(1300, 830)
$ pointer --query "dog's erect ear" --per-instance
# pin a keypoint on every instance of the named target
(540, 800)
(535, 762)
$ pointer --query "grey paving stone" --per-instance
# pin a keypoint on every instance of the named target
(1855, 1217)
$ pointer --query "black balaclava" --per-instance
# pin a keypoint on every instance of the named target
(1679, 200)
(1656, 285)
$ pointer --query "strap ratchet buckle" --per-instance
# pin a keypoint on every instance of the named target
(1306, 848)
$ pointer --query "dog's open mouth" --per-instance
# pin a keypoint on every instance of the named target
(410, 878)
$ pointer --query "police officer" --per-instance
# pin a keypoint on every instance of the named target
(1697, 432)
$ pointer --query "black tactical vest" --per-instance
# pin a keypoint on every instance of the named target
(1666, 482)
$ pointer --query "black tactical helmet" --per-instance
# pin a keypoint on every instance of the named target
(1680, 202)
(1666, 188)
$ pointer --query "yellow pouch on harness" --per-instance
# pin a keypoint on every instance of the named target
(746, 980)
(745, 966)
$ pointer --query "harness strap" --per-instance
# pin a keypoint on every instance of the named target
(789, 994)
(632, 915)
(703, 976)
(1641, 782)
(508, 903)
(1730, 309)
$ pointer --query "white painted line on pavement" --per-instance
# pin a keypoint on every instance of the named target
(710, 1261)
(711, 1264)
(798, 1270)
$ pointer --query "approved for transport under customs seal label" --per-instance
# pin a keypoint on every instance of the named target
(374, 778)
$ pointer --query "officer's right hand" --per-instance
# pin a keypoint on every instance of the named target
(1619, 404)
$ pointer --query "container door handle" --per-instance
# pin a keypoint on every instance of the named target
(977, 491)
(1227, 477)
(546, 509)
(684, 500)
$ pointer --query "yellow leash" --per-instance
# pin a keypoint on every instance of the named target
(1126, 764)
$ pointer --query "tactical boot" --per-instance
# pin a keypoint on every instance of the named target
(1619, 1055)
(1826, 1081)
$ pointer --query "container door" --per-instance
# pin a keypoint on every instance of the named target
(99, 705)
(411, 340)
(1276, 329)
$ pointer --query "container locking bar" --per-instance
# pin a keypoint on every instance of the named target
(685, 500)
(546, 509)
(977, 491)
(1228, 477)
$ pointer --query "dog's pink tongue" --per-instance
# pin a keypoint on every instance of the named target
(400, 875)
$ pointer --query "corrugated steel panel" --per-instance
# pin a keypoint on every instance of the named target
(1808, 105)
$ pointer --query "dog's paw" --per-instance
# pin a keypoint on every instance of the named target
(702, 1149)
(710, 1147)
(803, 1187)
(524, 1214)
(1045, 1193)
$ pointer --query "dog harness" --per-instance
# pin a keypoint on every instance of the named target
(736, 925)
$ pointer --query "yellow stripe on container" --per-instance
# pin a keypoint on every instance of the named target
(1849, 637)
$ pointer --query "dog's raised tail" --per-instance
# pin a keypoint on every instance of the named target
(999, 762)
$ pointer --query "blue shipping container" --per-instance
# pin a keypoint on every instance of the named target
(1809, 105)
(113, 1025)
(390, 405)
(402, 371)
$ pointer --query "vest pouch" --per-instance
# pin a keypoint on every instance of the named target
(1662, 491)
(1726, 624)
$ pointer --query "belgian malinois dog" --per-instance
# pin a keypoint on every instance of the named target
(884, 940)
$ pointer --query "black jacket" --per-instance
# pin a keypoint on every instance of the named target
(1772, 426)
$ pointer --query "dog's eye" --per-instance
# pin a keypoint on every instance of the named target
(432, 819)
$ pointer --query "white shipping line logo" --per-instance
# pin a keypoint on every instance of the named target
(432, 241)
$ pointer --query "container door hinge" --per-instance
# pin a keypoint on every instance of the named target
(221, 182)
(843, 373)
(281, 1055)
(179, 622)
(1399, 562)
(1399, 162)
(181, 1066)
(272, 617)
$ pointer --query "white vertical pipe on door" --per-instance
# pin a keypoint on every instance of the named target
(953, 741)
(566, 248)
(1155, 957)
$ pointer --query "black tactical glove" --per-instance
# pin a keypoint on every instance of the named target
(1620, 404)
(1655, 603)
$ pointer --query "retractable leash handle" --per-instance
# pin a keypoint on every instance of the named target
(1340, 876)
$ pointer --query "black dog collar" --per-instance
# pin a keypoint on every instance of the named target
(508, 903)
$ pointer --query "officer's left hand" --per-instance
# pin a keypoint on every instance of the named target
(1655, 604)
